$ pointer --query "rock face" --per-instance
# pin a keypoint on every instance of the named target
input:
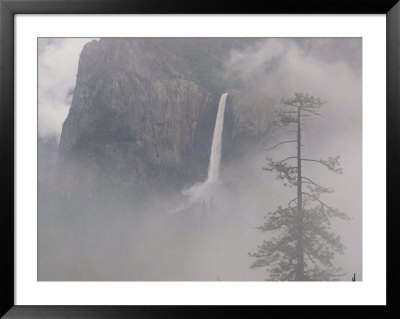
(144, 109)
(143, 114)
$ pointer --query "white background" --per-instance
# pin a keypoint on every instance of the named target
(372, 290)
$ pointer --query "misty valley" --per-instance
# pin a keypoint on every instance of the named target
(199, 159)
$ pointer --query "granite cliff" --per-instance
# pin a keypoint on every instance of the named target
(143, 113)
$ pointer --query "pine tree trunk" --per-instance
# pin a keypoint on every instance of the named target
(300, 248)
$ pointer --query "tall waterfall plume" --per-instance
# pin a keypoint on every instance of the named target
(200, 196)
(216, 147)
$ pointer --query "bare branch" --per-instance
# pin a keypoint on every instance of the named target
(314, 183)
(287, 159)
(311, 160)
(276, 145)
(307, 110)
(332, 163)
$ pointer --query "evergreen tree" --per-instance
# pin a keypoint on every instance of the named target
(304, 247)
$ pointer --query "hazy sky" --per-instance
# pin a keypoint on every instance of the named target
(58, 65)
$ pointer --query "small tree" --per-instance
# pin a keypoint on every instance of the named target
(305, 246)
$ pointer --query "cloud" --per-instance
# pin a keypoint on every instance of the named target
(57, 67)
(329, 68)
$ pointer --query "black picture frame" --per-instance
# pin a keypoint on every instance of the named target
(8, 9)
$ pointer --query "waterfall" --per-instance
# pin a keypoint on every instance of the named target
(201, 195)
(215, 157)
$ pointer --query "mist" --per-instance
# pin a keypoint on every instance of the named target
(110, 237)
(337, 79)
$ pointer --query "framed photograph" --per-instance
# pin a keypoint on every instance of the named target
(167, 154)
